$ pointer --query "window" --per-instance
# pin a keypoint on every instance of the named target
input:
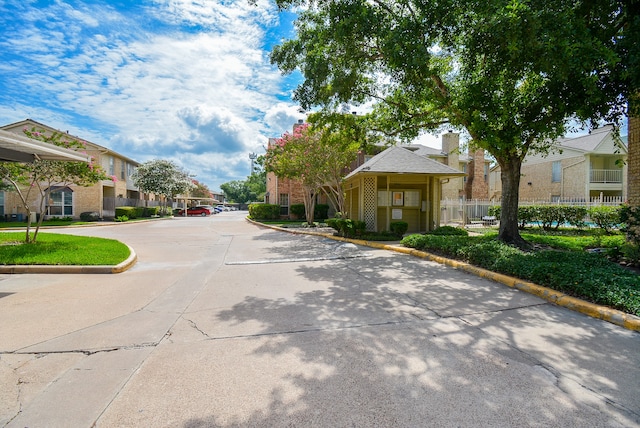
(60, 202)
(464, 169)
(123, 165)
(1, 203)
(284, 203)
(112, 166)
(556, 171)
(486, 172)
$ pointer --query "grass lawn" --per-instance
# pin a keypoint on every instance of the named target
(58, 249)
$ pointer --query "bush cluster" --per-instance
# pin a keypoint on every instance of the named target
(320, 212)
(553, 216)
(589, 276)
(258, 211)
(398, 228)
(346, 227)
(136, 212)
(89, 216)
(449, 230)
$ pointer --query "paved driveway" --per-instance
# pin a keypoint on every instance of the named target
(223, 323)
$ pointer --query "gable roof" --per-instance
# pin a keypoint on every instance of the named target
(589, 142)
(397, 160)
(20, 148)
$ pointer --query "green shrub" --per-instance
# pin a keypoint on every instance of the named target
(398, 228)
(526, 214)
(151, 211)
(575, 215)
(346, 227)
(121, 218)
(321, 212)
(494, 211)
(449, 230)
(297, 210)
(260, 211)
(129, 212)
(89, 216)
(605, 218)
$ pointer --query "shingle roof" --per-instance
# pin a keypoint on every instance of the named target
(396, 160)
(589, 142)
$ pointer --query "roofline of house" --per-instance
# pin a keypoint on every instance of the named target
(102, 148)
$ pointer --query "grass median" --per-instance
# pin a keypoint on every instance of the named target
(58, 249)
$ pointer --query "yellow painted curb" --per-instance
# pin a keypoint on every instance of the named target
(622, 319)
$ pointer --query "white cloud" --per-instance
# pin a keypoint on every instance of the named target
(183, 80)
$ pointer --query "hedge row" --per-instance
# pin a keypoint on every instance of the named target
(319, 213)
(553, 216)
(136, 212)
(264, 211)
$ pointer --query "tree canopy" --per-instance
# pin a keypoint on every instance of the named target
(162, 177)
(512, 73)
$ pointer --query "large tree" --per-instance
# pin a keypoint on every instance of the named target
(34, 182)
(512, 73)
(162, 177)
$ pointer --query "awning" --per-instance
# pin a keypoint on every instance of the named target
(20, 148)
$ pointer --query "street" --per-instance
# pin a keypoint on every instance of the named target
(225, 323)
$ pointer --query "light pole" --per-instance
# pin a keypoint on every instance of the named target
(253, 157)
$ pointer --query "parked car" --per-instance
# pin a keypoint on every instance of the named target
(223, 207)
(201, 211)
(211, 209)
(217, 210)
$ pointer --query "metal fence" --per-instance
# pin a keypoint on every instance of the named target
(472, 211)
(109, 204)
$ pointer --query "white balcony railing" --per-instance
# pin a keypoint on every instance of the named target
(605, 176)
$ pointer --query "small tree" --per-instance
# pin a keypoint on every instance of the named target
(292, 156)
(42, 176)
(163, 178)
(341, 138)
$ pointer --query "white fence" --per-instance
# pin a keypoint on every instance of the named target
(472, 211)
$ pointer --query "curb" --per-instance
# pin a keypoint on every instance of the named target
(119, 268)
(614, 316)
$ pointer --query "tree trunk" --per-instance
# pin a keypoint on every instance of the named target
(633, 160)
(510, 176)
(309, 203)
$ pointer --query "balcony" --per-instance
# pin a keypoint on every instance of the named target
(605, 176)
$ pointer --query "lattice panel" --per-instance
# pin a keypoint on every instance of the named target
(370, 202)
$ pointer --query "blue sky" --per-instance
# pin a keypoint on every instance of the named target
(186, 80)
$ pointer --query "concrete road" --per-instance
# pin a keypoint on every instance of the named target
(223, 323)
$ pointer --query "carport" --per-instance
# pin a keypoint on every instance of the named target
(186, 199)
(20, 148)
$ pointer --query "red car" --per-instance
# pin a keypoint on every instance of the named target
(202, 211)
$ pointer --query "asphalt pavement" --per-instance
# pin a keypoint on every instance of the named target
(224, 323)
